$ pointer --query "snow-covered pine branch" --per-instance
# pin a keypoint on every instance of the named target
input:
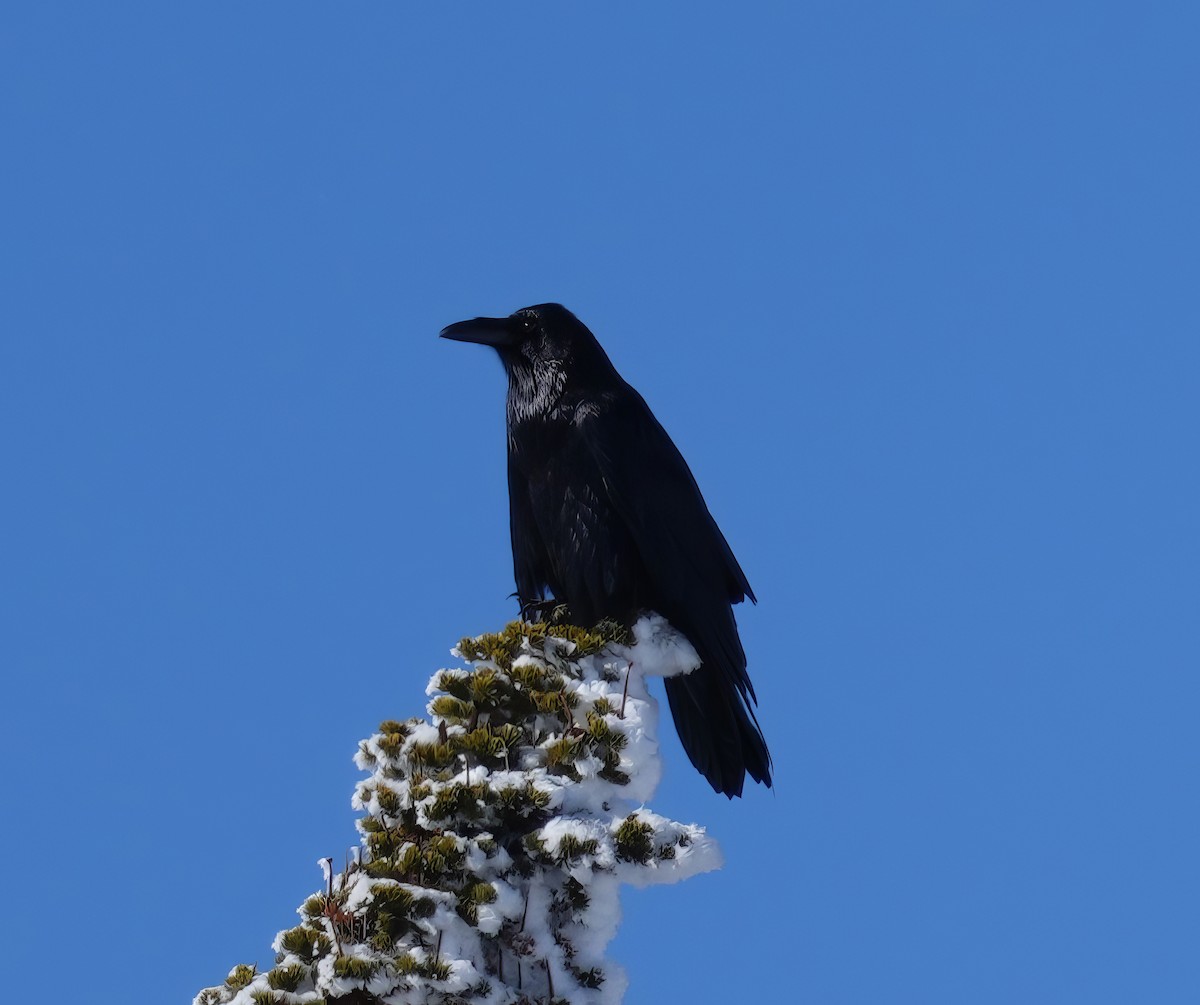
(496, 833)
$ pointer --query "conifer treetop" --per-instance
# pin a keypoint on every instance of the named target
(496, 833)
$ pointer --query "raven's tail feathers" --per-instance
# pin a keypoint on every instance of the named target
(718, 729)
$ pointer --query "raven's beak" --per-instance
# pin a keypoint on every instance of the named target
(496, 332)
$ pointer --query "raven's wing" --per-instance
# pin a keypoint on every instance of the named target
(694, 578)
(650, 485)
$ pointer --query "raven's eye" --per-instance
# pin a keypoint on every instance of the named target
(528, 324)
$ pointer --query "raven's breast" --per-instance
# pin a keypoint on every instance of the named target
(592, 562)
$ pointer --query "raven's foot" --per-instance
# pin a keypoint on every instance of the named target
(551, 611)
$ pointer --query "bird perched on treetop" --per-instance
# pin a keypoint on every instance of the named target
(607, 517)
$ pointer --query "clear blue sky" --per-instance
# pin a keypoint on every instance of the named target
(912, 286)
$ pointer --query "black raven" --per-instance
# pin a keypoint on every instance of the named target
(606, 516)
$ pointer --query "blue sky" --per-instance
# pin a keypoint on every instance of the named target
(914, 290)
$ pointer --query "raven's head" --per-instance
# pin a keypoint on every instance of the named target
(538, 340)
